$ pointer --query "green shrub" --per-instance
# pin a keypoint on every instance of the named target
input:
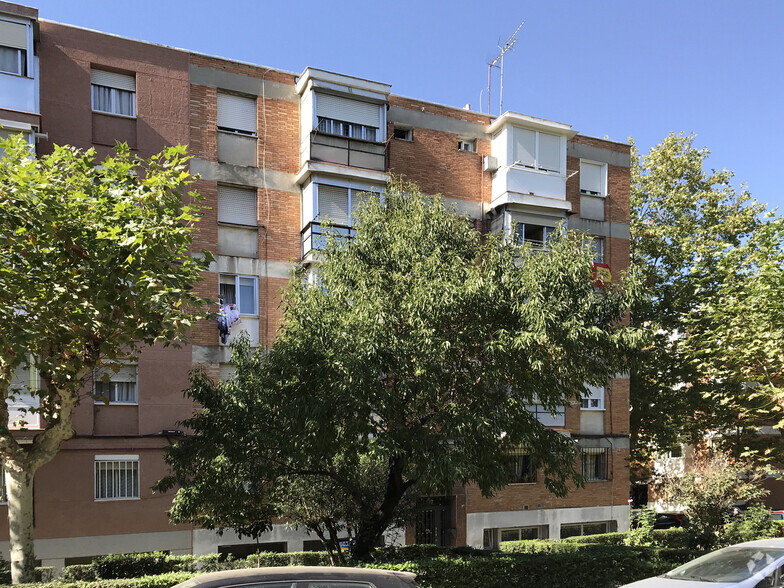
(309, 558)
(133, 565)
(587, 566)
(5, 571)
(75, 573)
(44, 574)
(753, 524)
(533, 546)
(675, 538)
(163, 580)
(598, 539)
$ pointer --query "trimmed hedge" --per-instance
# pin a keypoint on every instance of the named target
(594, 566)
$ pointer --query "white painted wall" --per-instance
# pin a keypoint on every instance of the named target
(476, 523)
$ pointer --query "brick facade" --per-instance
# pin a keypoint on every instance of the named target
(176, 103)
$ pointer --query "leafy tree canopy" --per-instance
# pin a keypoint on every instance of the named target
(404, 366)
(698, 242)
(95, 263)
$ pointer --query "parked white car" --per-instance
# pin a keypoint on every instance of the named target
(756, 564)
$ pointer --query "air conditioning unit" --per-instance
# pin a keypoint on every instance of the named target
(490, 163)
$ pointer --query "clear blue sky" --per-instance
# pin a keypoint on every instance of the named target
(619, 68)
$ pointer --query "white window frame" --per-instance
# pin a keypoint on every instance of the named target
(602, 192)
(469, 146)
(537, 157)
(114, 97)
(407, 134)
(595, 401)
(116, 460)
(22, 53)
(237, 278)
(116, 378)
(607, 527)
(519, 531)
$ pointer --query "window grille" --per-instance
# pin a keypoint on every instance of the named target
(116, 479)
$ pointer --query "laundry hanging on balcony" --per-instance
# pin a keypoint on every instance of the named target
(226, 318)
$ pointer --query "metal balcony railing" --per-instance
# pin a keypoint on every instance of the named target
(314, 236)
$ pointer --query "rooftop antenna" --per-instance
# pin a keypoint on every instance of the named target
(504, 48)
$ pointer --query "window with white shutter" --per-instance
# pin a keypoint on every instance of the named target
(356, 119)
(236, 114)
(237, 206)
(536, 150)
(592, 178)
(333, 204)
(13, 48)
(116, 387)
(549, 154)
(113, 93)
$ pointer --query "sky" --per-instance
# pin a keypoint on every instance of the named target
(615, 68)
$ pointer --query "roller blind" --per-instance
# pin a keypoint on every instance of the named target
(593, 450)
(113, 80)
(333, 204)
(524, 146)
(347, 110)
(237, 205)
(237, 113)
(549, 152)
(13, 34)
(590, 178)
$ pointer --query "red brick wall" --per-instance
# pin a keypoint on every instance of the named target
(432, 159)
(535, 496)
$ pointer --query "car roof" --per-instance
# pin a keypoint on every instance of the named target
(294, 573)
(775, 542)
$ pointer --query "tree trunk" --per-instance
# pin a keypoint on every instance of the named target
(19, 488)
(370, 530)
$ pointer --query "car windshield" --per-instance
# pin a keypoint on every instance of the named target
(732, 564)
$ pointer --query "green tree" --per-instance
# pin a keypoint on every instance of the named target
(711, 492)
(95, 263)
(403, 367)
(685, 221)
(736, 333)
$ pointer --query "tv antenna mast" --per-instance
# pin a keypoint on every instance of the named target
(500, 57)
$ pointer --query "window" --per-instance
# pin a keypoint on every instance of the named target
(595, 463)
(519, 534)
(242, 291)
(116, 387)
(336, 203)
(356, 119)
(522, 470)
(536, 150)
(596, 244)
(595, 401)
(116, 477)
(535, 235)
(236, 114)
(113, 93)
(584, 529)
(13, 48)
(544, 416)
(237, 206)
(467, 146)
(404, 134)
(593, 178)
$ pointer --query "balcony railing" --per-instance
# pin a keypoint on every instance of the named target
(314, 236)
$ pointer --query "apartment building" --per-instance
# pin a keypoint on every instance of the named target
(277, 152)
